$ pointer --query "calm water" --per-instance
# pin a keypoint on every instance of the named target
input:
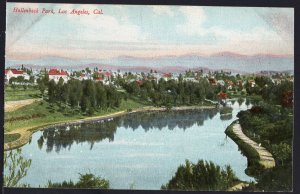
(140, 151)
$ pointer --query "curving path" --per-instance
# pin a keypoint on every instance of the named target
(266, 158)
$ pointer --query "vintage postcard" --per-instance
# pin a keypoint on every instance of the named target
(149, 97)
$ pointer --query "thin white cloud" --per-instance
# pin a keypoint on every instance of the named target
(104, 27)
(259, 39)
(162, 10)
(195, 17)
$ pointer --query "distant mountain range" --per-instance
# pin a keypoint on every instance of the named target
(220, 61)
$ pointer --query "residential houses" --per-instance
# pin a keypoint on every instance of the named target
(108, 76)
(10, 73)
(55, 74)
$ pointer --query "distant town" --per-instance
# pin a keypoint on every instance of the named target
(225, 79)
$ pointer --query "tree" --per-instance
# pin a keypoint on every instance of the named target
(287, 99)
(31, 79)
(16, 166)
(24, 87)
(87, 70)
(42, 87)
(85, 104)
(202, 176)
(52, 91)
(12, 80)
(91, 181)
(65, 93)
(282, 152)
(261, 81)
(87, 180)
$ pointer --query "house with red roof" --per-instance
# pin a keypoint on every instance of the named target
(55, 74)
(222, 95)
(83, 76)
(167, 76)
(98, 79)
(10, 73)
(108, 74)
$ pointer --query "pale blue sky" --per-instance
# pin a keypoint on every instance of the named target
(148, 31)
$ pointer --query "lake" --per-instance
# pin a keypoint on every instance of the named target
(138, 150)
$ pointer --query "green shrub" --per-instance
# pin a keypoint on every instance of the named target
(202, 176)
(87, 180)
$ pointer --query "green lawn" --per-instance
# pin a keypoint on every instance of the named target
(42, 113)
(19, 93)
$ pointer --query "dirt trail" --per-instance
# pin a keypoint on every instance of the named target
(10, 106)
(266, 158)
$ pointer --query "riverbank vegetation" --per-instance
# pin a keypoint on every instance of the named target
(202, 176)
(24, 117)
(76, 99)
(272, 127)
(270, 123)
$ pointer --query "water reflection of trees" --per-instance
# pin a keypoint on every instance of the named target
(93, 132)
(64, 137)
(181, 119)
(226, 117)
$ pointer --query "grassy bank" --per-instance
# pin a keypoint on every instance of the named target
(11, 137)
(246, 149)
(41, 113)
(19, 93)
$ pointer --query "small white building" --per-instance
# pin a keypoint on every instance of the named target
(190, 79)
(10, 73)
(55, 74)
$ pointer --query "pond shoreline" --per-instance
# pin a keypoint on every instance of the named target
(26, 133)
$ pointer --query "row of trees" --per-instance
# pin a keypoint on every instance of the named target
(21, 80)
(86, 94)
(171, 93)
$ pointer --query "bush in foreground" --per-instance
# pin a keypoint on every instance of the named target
(87, 180)
(202, 176)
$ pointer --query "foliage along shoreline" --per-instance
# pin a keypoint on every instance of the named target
(252, 154)
(27, 133)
